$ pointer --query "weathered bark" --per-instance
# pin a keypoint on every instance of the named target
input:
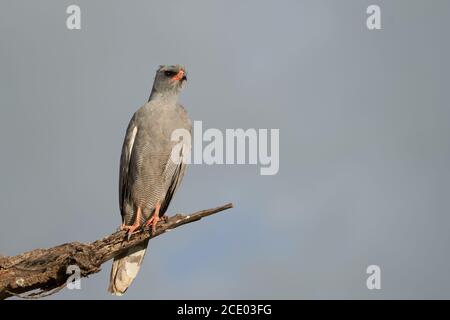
(42, 272)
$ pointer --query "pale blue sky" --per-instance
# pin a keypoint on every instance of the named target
(364, 141)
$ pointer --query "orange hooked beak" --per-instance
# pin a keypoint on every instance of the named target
(179, 76)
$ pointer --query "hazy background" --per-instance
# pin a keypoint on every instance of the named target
(364, 125)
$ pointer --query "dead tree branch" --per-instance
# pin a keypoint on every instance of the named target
(42, 272)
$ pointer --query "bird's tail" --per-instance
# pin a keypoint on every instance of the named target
(125, 267)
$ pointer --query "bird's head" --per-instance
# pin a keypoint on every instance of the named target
(170, 78)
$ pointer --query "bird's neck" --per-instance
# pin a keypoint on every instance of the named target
(167, 97)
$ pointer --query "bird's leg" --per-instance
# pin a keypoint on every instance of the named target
(135, 225)
(155, 218)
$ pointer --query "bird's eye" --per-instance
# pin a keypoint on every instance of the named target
(170, 73)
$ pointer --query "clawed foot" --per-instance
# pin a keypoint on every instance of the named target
(153, 221)
(130, 229)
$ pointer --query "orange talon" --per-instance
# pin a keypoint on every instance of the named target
(153, 221)
(134, 226)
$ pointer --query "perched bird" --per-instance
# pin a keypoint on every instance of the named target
(149, 177)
